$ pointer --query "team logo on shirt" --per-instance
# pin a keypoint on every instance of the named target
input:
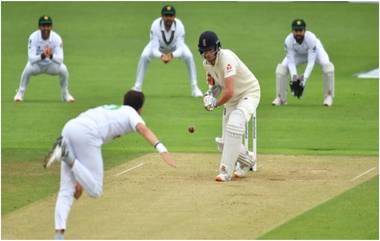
(229, 67)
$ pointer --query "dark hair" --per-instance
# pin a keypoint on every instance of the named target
(134, 99)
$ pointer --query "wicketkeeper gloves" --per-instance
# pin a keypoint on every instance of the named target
(297, 85)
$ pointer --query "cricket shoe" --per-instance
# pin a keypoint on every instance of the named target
(243, 169)
(59, 152)
(278, 101)
(68, 98)
(19, 97)
(223, 175)
(222, 178)
(196, 92)
(55, 153)
(328, 101)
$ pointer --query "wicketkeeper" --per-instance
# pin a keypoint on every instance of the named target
(240, 96)
(303, 47)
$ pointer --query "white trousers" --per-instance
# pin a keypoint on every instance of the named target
(82, 139)
(247, 105)
(233, 129)
(147, 56)
(51, 69)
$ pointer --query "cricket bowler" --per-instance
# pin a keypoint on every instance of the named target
(79, 150)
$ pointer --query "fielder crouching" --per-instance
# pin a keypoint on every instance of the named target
(240, 95)
(301, 47)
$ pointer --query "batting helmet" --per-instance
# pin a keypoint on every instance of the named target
(208, 40)
(45, 19)
(298, 24)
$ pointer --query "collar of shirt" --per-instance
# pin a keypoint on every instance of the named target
(40, 36)
(172, 28)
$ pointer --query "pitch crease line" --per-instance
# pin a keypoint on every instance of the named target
(362, 174)
(130, 169)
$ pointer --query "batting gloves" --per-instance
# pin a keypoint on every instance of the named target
(209, 102)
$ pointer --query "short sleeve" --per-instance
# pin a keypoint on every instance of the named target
(134, 119)
(229, 66)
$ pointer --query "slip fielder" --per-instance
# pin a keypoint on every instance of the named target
(167, 41)
(45, 55)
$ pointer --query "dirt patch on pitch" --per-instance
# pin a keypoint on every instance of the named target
(154, 201)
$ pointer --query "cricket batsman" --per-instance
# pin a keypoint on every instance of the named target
(301, 47)
(45, 55)
(239, 92)
(167, 42)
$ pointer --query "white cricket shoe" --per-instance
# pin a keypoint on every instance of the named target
(68, 98)
(243, 169)
(196, 92)
(19, 96)
(278, 101)
(59, 152)
(223, 175)
(328, 101)
(55, 153)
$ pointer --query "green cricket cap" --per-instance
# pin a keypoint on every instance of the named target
(45, 19)
(168, 10)
(298, 24)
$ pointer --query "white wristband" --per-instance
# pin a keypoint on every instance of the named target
(161, 148)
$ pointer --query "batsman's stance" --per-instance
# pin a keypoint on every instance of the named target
(167, 41)
(45, 55)
(79, 149)
(303, 47)
(240, 95)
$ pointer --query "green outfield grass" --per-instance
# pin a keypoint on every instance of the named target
(355, 208)
(103, 42)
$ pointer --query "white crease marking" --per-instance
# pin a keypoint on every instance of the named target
(362, 174)
(130, 169)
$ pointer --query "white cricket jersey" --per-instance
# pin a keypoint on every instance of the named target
(228, 64)
(166, 41)
(112, 121)
(37, 44)
(308, 48)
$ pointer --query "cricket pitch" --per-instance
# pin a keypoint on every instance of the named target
(145, 199)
